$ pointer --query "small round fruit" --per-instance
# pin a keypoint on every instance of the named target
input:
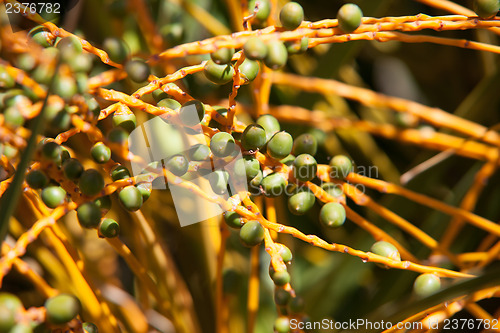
(65, 86)
(22, 328)
(116, 49)
(65, 155)
(137, 70)
(300, 203)
(131, 198)
(252, 166)
(386, 249)
(10, 301)
(297, 47)
(335, 190)
(280, 278)
(69, 47)
(52, 151)
(7, 319)
(169, 103)
(254, 184)
(284, 252)
(199, 152)
(332, 214)
(177, 164)
(277, 55)
(12, 116)
(27, 328)
(159, 94)
(249, 69)
(233, 220)
(89, 328)
(288, 160)
(192, 113)
(93, 106)
(263, 11)
(81, 63)
(305, 167)
(281, 296)
(251, 233)
(280, 145)
(282, 325)
(62, 308)
(72, 168)
(270, 124)
(58, 118)
(222, 144)
(340, 167)
(254, 137)
(305, 144)
(100, 153)
(218, 74)
(486, 8)
(53, 196)
(6, 80)
(219, 180)
(119, 172)
(255, 49)
(109, 228)
(273, 185)
(104, 203)
(9, 151)
(426, 284)
(91, 182)
(291, 15)
(26, 62)
(37, 179)
(81, 82)
(40, 36)
(118, 135)
(349, 17)
(145, 189)
(222, 56)
(125, 120)
(43, 73)
(238, 170)
(89, 215)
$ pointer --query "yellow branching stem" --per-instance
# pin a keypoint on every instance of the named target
(434, 116)
(420, 137)
(385, 187)
(253, 290)
(469, 201)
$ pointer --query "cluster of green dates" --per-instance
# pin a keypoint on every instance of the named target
(137, 70)
(69, 82)
(59, 310)
(274, 53)
(425, 284)
(298, 155)
(89, 182)
(287, 305)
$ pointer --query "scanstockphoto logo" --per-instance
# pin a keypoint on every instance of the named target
(173, 142)
(16, 12)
